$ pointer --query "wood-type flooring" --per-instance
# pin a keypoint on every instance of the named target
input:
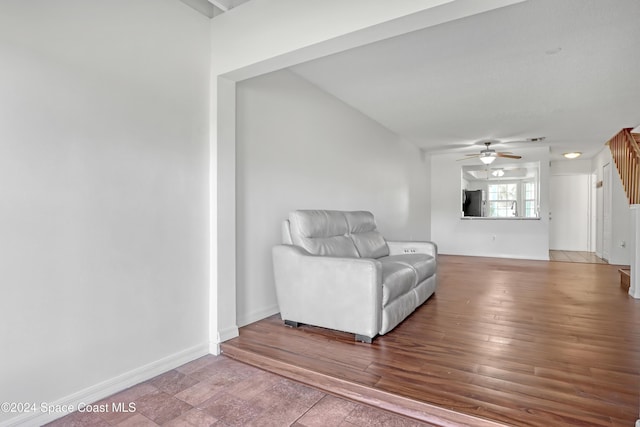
(502, 342)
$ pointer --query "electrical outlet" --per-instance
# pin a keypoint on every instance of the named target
(623, 244)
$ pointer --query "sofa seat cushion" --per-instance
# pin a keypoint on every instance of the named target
(424, 265)
(397, 280)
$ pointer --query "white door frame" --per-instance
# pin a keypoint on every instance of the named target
(593, 213)
(607, 225)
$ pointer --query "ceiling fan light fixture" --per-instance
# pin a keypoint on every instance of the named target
(488, 155)
(487, 160)
(572, 155)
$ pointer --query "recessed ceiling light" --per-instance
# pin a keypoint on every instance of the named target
(572, 155)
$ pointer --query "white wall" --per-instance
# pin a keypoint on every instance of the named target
(571, 167)
(528, 239)
(300, 148)
(620, 210)
(104, 195)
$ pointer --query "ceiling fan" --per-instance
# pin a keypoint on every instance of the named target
(488, 155)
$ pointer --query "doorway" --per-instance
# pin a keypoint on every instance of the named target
(576, 256)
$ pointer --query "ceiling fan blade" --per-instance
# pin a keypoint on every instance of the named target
(470, 156)
(505, 152)
(509, 156)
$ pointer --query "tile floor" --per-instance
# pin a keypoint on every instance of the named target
(218, 391)
(576, 256)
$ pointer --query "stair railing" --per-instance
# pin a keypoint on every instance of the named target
(625, 151)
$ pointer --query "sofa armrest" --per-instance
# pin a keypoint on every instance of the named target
(332, 292)
(409, 247)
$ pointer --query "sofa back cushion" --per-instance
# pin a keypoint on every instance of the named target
(365, 236)
(285, 230)
(322, 232)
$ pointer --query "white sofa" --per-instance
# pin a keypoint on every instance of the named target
(335, 270)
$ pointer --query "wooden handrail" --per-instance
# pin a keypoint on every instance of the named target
(625, 151)
(633, 143)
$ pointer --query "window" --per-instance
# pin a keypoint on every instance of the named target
(503, 200)
(530, 208)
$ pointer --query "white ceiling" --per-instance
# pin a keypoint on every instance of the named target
(568, 70)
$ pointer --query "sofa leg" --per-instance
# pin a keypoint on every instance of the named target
(291, 323)
(364, 339)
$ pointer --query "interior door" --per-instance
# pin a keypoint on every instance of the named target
(569, 202)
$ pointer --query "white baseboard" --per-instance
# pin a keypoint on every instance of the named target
(233, 331)
(499, 255)
(227, 334)
(106, 388)
(218, 337)
(245, 319)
